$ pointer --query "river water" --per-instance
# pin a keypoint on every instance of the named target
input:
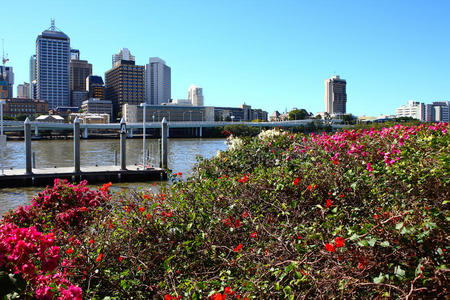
(49, 153)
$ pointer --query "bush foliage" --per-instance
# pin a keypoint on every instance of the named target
(355, 214)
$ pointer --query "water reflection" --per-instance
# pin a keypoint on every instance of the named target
(50, 153)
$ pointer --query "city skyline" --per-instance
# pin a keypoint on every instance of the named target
(270, 56)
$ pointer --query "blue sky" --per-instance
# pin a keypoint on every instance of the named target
(273, 55)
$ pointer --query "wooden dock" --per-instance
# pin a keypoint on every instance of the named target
(93, 174)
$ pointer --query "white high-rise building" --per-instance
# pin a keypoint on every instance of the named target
(52, 67)
(335, 95)
(195, 95)
(157, 82)
(124, 54)
(412, 109)
(33, 81)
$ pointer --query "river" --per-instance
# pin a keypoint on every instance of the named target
(49, 153)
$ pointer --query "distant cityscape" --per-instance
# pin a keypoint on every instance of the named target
(62, 84)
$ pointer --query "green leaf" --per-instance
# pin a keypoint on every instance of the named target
(384, 244)
(399, 272)
(399, 226)
(363, 243)
(379, 279)
(372, 242)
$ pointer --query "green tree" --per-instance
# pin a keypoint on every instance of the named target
(298, 114)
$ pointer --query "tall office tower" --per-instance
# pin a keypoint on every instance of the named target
(124, 54)
(335, 95)
(7, 74)
(95, 87)
(157, 82)
(33, 82)
(23, 91)
(124, 83)
(195, 95)
(79, 71)
(3, 88)
(53, 67)
(74, 54)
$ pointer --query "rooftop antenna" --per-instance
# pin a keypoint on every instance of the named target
(52, 25)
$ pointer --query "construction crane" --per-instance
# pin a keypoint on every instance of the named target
(4, 60)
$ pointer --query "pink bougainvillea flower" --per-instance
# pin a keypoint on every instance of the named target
(329, 203)
(296, 181)
(253, 235)
(69, 251)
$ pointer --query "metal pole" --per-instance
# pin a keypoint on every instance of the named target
(144, 162)
(115, 157)
(76, 145)
(27, 134)
(164, 143)
(34, 160)
(123, 140)
(1, 114)
(2, 137)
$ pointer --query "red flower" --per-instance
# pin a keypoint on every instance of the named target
(341, 196)
(238, 247)
(330, 247)
(228, 291)
(218, 296)
(120, 258)
(105, 187)
(83, 209)
(253, 235)
(339, 242)
(147, 197)
(243, 179)
(244, 215)
(91, 241)
(237, 224)
(329, 203)
(296, 181)
(99, 257)
(141, 209)
(70, 250)
(167, 297)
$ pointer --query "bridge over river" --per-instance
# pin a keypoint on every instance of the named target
(17, 126)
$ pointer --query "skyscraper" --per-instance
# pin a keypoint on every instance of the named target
(124, 83)
(23, 90)
(335, 95)
(79, 71)
(53, 67)
(124, 54)
(157, 82)
(95, 87)
(33, 82)
(195, 95)
(8, 75)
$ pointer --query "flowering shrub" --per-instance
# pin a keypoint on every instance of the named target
(33, 251)
(355, 214)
